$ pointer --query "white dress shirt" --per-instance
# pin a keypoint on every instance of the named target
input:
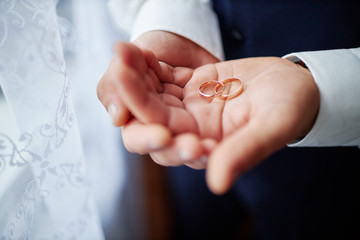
(336, 72)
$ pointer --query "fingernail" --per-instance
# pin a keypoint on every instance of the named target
(153, 145)
(184, 155)
(112, 110)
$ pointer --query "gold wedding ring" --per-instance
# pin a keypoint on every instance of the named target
(206, 90)
(236, 93)
(218, 89)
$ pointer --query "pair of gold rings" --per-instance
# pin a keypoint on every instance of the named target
(211, 89)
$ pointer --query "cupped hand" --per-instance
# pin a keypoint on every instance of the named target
(176, 125)
(151, 47)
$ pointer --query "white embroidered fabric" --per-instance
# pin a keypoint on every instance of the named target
(50, 170)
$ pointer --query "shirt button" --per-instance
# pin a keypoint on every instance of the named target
(236, 35)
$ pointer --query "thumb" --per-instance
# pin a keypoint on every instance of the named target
(239, 152)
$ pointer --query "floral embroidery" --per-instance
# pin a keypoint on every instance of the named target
(8, 17)
(42, 151)
(9, 153)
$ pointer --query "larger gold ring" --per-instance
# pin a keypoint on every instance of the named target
(232, 95)
(217, 85)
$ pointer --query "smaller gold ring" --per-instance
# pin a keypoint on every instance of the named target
(219, 86)
(235, 94)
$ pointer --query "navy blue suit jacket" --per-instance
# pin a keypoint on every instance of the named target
(297, 193)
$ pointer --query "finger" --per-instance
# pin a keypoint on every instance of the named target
(152, 61)
(198, 164)
(185, 149)
(107, 92)
(171, 100)
(175, 75)
(142, 61)
(130, 55)
(208, 145)
(174, 90)
(126, 55)
(154, 80)
(142, 139)
(241, 151)
(145, 105)
(154, 69)
(148, 107)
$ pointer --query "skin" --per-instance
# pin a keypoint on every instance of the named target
(154, 96)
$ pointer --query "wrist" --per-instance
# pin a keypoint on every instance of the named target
(174, 49)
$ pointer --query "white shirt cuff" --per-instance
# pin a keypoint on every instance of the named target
(337, 74)
(123, 13)
(192, 19)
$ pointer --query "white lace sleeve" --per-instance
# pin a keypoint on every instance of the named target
(44, 189)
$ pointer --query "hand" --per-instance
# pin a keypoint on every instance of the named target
(279, 104)
(174, 49)
(167, 47)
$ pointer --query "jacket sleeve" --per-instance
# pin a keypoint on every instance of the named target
(193, 19)
(337, 75)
